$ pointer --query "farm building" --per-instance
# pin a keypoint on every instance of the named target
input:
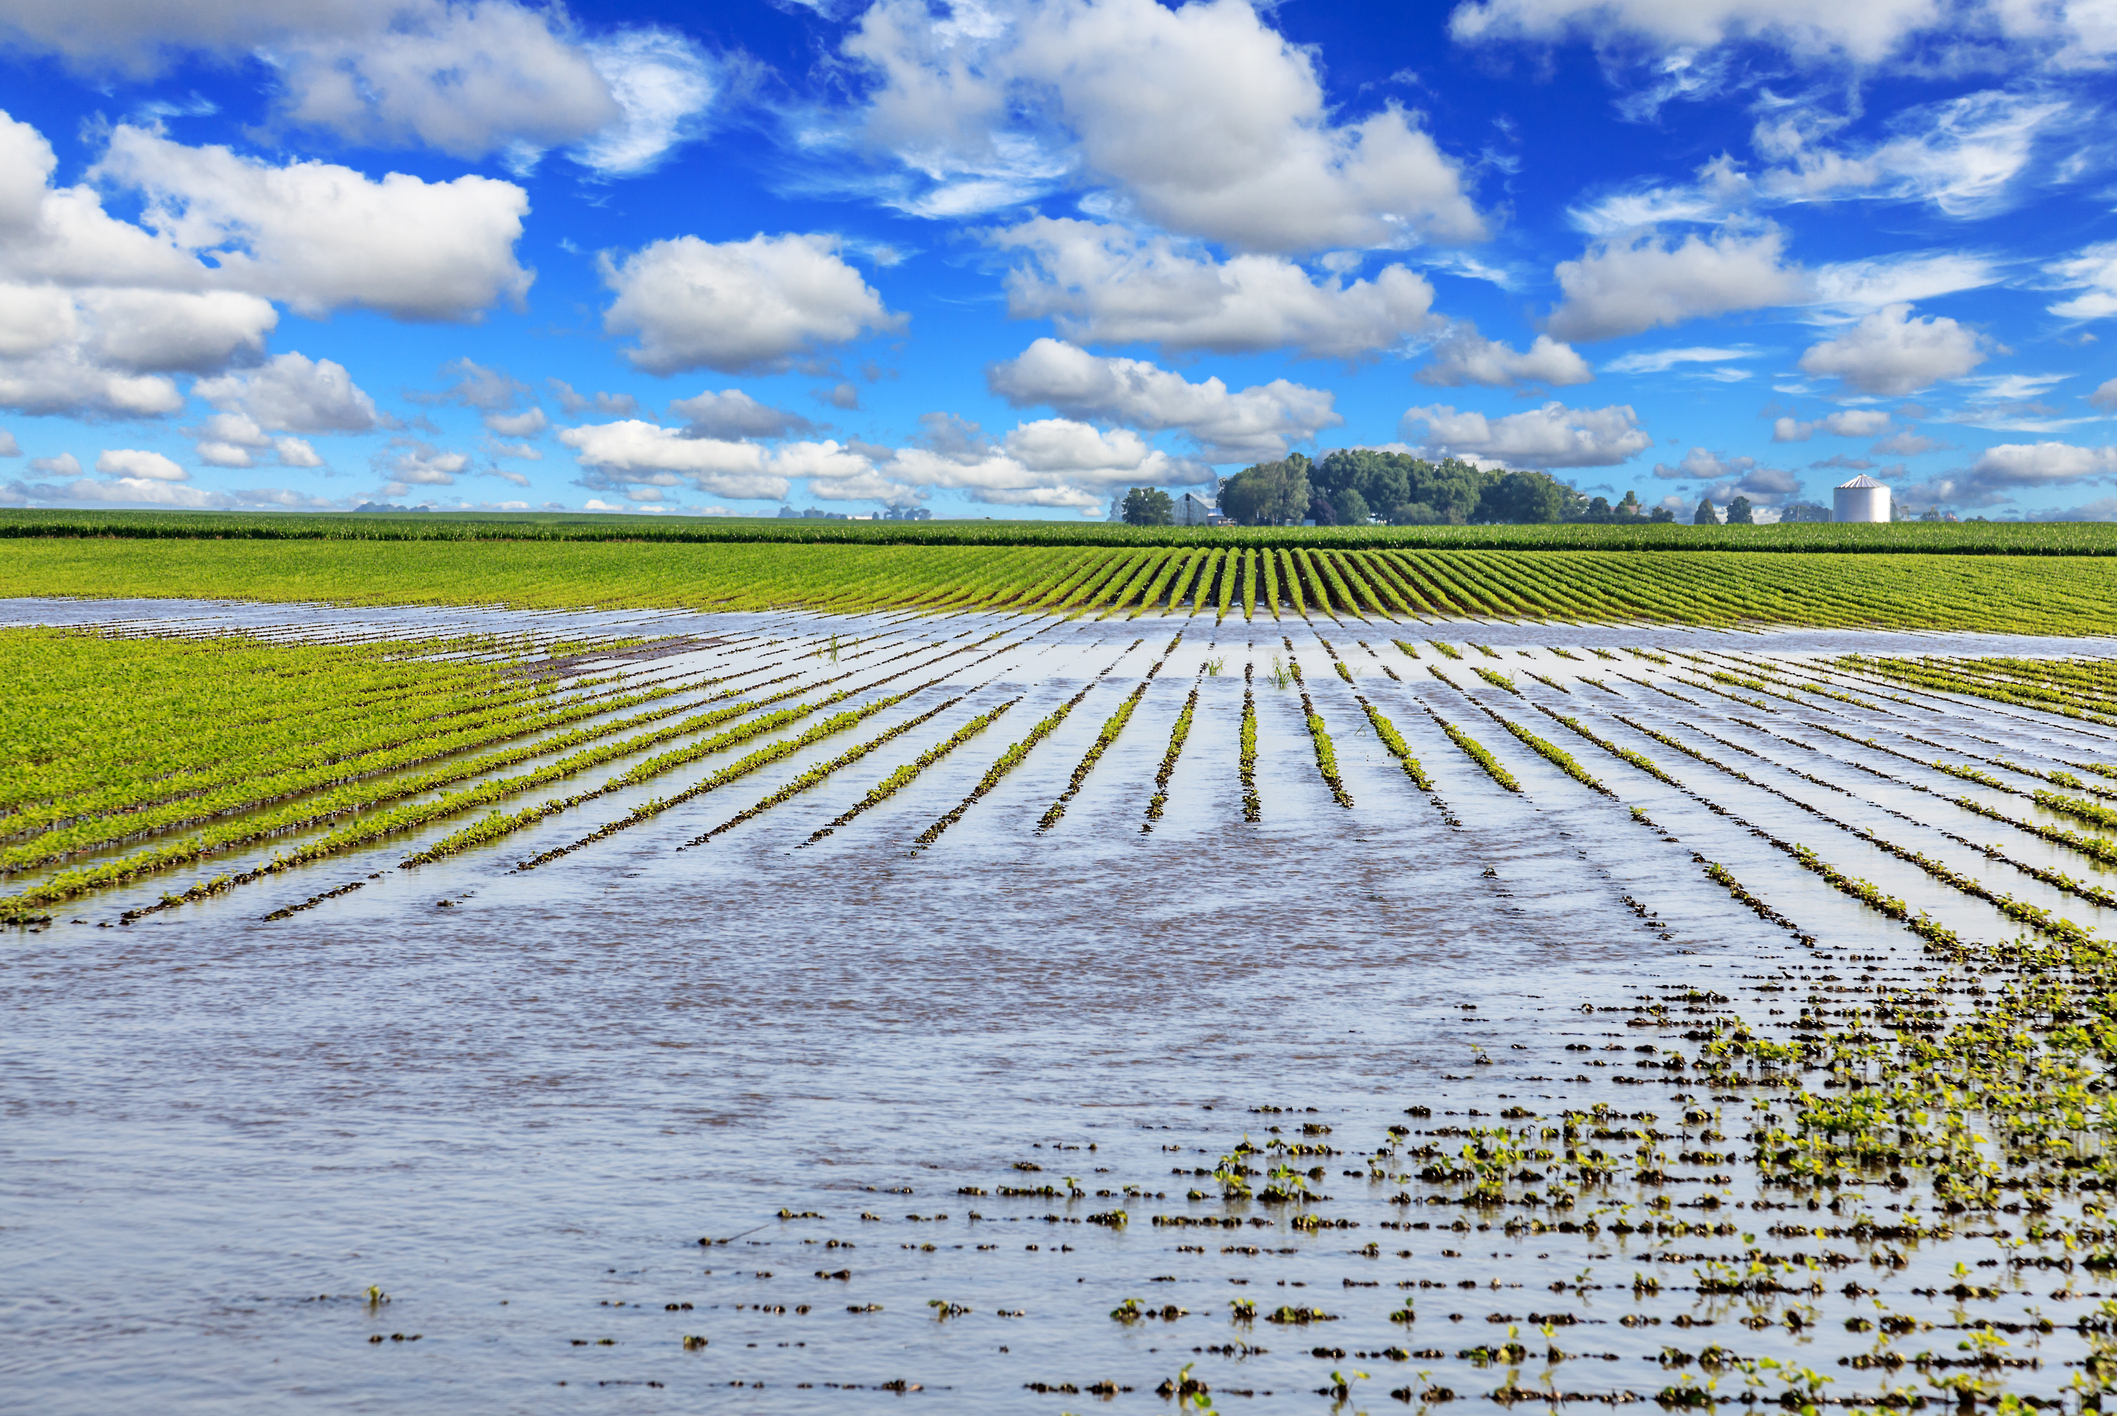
(1861, 499)
(1192, 511)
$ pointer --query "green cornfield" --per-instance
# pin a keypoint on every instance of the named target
(2061, 538)
(2012, 593)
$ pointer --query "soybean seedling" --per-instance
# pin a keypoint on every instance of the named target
(1187, 1389)
(1341, 1389)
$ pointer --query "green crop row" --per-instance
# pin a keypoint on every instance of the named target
(1476, 752)
(1624, 754)
(330, 806)
(1114, 725)
(1398, 748)
(1556, 756)
(1319, 737)
(742, 767)
(2040, 593)
(501, 824)
(1012, 758)
(1178, 735)
(817, 776)
(1246, 755)
(903, 776)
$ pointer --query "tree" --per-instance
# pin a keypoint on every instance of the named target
(1738, 513)
(1268, 494)
(1452, 488)
(1149, 506)
(1803, 511)
(1630, 505)
(1704, 515)
(1525, 498)
(1382, 479)
(1348, 507)
(1417, 514)
(1662, 513)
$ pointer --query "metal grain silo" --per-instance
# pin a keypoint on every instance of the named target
(1861, 499)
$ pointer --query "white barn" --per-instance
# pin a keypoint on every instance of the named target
(1191, 510)
(1861, 499)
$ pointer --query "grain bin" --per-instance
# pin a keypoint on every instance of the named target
(1861, 499)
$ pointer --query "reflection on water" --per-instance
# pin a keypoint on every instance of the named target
(770, 1094)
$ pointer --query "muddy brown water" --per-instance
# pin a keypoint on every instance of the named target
(539, 1115)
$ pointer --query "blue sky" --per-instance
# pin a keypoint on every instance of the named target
(1010, 258)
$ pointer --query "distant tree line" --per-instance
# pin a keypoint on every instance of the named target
(1741, 513)
(1353, 485)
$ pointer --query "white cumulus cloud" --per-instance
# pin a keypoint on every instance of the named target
(2041, 464)
(1893, 353)
(296, 394)
(420, 464)
(636, 450)
(1204, 120)
(235, 440)
(526, 424)
(1244, 425)
(137, 463)
(2001, 473)
(96, 311)
(323, 237)
(1551, 436)
(467, 79)
(1732, 477)
(1052, 462)
(1847, 423)
(1104, 284)
(738, 305)
(1627, 286)
(1463, 356)
(731, 413)
(1868, 31)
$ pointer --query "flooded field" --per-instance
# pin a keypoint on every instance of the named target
(1005, 1014)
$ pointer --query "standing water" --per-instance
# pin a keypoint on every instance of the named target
(1026, 1117)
